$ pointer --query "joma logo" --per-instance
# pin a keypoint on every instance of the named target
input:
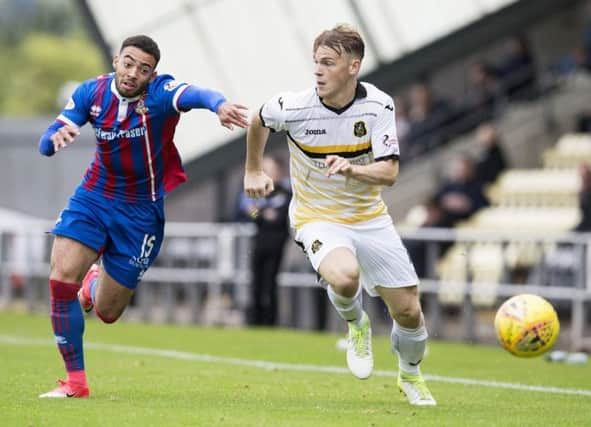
(315, 131)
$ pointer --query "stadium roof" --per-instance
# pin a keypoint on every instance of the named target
(250, 50)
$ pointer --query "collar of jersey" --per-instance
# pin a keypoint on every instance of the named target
(360, 92)
(118, 95)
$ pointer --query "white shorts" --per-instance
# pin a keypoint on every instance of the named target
(383, 259)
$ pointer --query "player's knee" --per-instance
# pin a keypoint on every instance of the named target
(346, 281)
(409, 315)
(63, 273)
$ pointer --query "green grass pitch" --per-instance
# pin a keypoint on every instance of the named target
(149, 375)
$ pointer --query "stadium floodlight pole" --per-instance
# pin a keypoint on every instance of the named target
(94, 31)
(367, 33)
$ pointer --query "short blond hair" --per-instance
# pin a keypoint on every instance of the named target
(343, 37)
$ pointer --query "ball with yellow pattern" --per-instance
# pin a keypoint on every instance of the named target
(527, 325)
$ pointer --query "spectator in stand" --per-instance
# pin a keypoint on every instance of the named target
(579, 59)
(428, 115)
(585, 198)
(517, 70)
(461, 195)
(492, 159)
(402, 122)
(270, 214)
(586, 48)
(483, 98)
(584, 122)
(435, 217)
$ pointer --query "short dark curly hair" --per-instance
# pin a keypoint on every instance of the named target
(145, 43)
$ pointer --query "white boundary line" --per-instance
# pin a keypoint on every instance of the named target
(262, 364)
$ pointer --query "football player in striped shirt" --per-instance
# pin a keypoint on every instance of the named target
(343, 149)
(117, 212)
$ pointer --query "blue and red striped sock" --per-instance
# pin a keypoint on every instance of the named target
(68, 327)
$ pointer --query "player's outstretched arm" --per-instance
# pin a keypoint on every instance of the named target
(230, 114)
(256, 183)
(57, 136)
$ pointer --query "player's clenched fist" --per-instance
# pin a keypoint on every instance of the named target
(64, 136)
(337, 165)
(257, 184)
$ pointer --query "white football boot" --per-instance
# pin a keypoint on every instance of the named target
(359, 355)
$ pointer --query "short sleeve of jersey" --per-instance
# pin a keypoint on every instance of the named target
(76, 111)
(166, 91)
(384, 138)
(273, 113)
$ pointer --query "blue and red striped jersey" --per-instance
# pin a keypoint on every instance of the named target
(136, 159)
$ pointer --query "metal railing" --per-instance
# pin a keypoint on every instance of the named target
(466, 274)
(552, 265)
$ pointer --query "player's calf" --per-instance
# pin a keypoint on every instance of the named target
(105, 318)
(109, 297)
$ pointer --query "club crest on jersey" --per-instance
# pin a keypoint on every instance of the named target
(70, 105)
(170, 85)
(141, 106)
(95, 110)
(359, 129)
(316, 245)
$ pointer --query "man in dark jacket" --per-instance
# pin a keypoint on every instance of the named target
(270, 214)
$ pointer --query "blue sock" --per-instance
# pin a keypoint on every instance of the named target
(68, 323)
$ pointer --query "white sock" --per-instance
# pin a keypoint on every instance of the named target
(410, 345)
(349, 308)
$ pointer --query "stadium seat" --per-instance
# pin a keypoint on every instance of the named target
(570, 151)
(484, 263)
(535, 187)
